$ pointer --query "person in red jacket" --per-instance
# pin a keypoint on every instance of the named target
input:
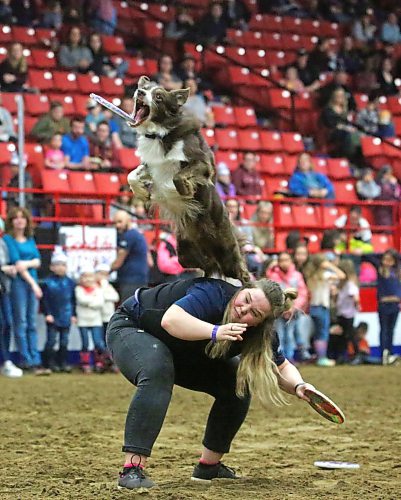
(283, 271)
(246, 178)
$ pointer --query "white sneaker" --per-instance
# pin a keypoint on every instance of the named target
(10, 370)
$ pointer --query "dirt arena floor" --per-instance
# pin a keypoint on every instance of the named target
(61, 436)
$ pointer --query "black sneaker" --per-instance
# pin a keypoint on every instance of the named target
(203, 472)
(134, 477)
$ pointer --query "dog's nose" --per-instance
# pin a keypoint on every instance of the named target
(141, 92)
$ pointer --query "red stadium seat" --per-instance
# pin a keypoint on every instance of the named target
(67, 102)
(113, 44)
(272, 41)
(345, 191)
(320, 165)
(284, 216)
(306, 215)
(127, 158)
(152, 29)
(24, 35)
(390, 151)
(80, 102)
(65, 81)
(82, 182)
(279, 99)
(107, 183)
(272, 164)
(371, 146)
(34, 153)
(112, 86)
(164, 13)
(271, 141)
(338, 168)
(224, 115)
(6, 150)
(88, 83)
(330, 215)
(5, 34)
(227, 138)
(394, 105)
(137, 66)
(43, 59)
(29, 122)
(292, 143)
(382, 242)
(55, 181)
(238, 75)
(43, 80)
(151, 66)
(274, 185)
(245, 116)
(290, 163)
(36, 104)
(313, 241)
(249, 140)
(230, 158)
(292, 24)
(236, 55)
(209, 136)
(9, 102)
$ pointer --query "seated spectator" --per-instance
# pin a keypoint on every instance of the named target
(295, 238)
(7, 131)
(386, 127)
(101, 150)
(103, 16)
(349, 56)
(101, 62)
(13, 69)
(319, 58)
(364, 30)
(292, 81)
(54, 157)
(75, 55)
(386, 79)
(237, 14)
(234, 210)
(390, 31)
(366, 186)
(196, 104)
(165, 75)
(263, 234)
(361, 355)
(224, 186)
(212, 27)
(308, 75)
(122, 202)
(390, 191)
(187, 69)
(368, 117)
(300, 255)
(75, 145)
(110, 118)
(25, 13)
(94, 117)
(13, 197)
(365, 81)
(306, 182)
(342, 134)
(358, 230)
(246, 178)
(340, 81)
(6, 13)
(51, 123)
(167, 257)
(52, 16)
(180, 26)
(128, 135)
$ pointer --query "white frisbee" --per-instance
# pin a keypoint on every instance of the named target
(335, 465)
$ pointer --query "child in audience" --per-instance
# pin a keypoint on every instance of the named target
(54, 157)
(90, 301)
(361, 356)
(58, 306)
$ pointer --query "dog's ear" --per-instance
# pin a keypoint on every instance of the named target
(181, 95)
(143, 80)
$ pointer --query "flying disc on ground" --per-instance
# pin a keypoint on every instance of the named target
(323, 405)
(112, 107)
(335, 465)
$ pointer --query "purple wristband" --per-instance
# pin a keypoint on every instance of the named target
(214, 333)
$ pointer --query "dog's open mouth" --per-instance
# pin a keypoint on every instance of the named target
(142, 112)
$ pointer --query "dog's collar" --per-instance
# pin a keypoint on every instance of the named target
(153, 136)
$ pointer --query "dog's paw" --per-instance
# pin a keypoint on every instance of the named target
(183, 187)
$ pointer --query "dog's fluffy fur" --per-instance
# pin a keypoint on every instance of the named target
(177, 173)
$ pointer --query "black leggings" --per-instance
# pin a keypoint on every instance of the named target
(150, 365)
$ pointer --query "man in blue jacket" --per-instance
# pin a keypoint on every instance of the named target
(307, 183)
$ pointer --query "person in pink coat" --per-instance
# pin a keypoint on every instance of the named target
(283, 271)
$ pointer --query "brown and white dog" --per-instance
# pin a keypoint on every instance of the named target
(177, 173)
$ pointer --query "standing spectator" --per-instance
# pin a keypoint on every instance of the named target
(103, 16)
(301, 256)
(13, 69)
(285, 274)
(320, 274)
(364, 30)
(7, 271)
(165, 75)
(358, 229)
(366, 186)
(131, 264)
(7, 131)
(263, 233)
(54, 157)
(390, 191)
(102, 155)
(127, 134)
(292, 81)
(212, 27)
(306, 182)
(388, 296)
(390, 32)
(308, 75)
(196, 104)
(75, 55)
(224, 186)
(58, 306)
(75, 145)
(237, 14)
(180, 26)
(368, 117)
(25, 291)
(386, 78)
(347, 306)
(246, 179)
(13, 197)
(51, 123)
(89, 306)
(52, 16)
(166, 258)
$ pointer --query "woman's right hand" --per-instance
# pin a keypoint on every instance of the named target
(231, 331)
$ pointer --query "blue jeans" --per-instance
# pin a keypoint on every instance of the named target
(6, 320)
(388, 314)
(25, 308)
(285, 331)
(97, 337)
(52, 332)
(321, 319)
(302, 330)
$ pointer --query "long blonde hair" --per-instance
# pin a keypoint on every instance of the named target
(257, 372)
(313, 270)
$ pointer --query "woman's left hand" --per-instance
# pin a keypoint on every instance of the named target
(300, 392)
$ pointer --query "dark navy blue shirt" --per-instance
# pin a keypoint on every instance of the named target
(135, 268)
(59, 299)
(386, 286)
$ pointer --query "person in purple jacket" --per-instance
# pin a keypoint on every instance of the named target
(224, 186)
(307, 183)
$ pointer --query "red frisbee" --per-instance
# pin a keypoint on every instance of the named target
(323, 405)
